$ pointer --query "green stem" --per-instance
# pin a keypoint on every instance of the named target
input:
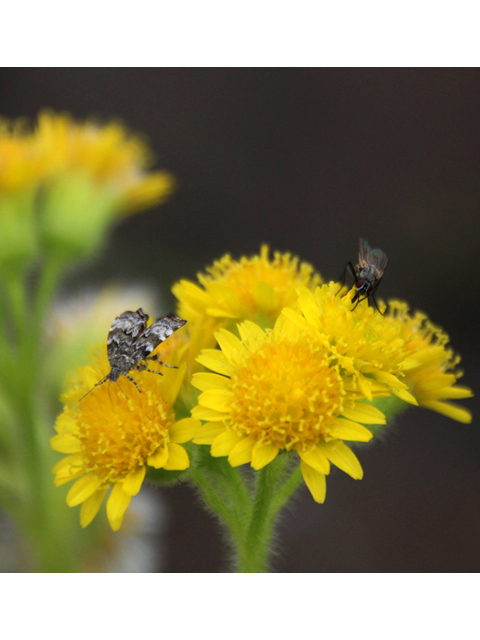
(286, 492)
(254, 551)
(217, 504)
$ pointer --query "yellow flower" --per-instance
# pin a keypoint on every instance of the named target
(367, 345)
(281, 390)
(22, 164)
(111, 156)
(430, 370)
(114, 433)
(255, 288)
(65, 182)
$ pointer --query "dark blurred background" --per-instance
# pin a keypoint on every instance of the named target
(309, 160)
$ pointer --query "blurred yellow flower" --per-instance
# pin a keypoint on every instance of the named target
(22, 164)
(430, 371)
(114, 433)
(63, 182)
(281, 390)
(107, 153)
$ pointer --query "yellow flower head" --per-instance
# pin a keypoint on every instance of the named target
(431, 368)
(255, 288)
(114, 433)
(367, 345)
(280, 390)
(21, 162)
(109, 154)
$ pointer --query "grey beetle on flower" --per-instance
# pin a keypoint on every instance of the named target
(130, 342)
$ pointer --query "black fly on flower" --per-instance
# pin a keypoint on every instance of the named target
(367, 273)
(130, 342)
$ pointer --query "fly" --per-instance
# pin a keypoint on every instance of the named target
(367, 274)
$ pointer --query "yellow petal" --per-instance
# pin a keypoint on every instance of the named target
(216, 361)
(364, 413)
(316, 459)
(388, 378)
(208, 432)
(405, 396)
(159, 458)
(450, 410)
(265, 296)
(117, 504)
(229, 344)
(207, 381)
(177, 458)
(67, 475)
(224, 443)
(90, 507)
(184, 430)
(263, 453)
(220, 313)
(315, 481)
(195, 296)
(83, 489)
(297, 319)
(133, 481)
(242, 451)
(453, 393)
(202, 413)
(438, 381)
(216, 399)
(65, 443)
(343, 457)
(172, 382)
(364, 387)
(348, 430)
(309, 308)
(248, 330)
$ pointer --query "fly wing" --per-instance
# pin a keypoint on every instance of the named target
(379, 260)
(364, 251)
(159, 331)
(125, 331)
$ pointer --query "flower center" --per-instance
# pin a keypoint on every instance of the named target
(119, 432)
(287, 394)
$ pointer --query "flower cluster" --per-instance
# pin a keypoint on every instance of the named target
(286, 367)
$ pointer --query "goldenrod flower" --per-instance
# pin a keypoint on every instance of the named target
(367, 345)
(281, 390)
(114, 433)
(431, 368)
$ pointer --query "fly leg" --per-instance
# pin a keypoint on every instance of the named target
(358, 300)
(343, 277)
(373, 298)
